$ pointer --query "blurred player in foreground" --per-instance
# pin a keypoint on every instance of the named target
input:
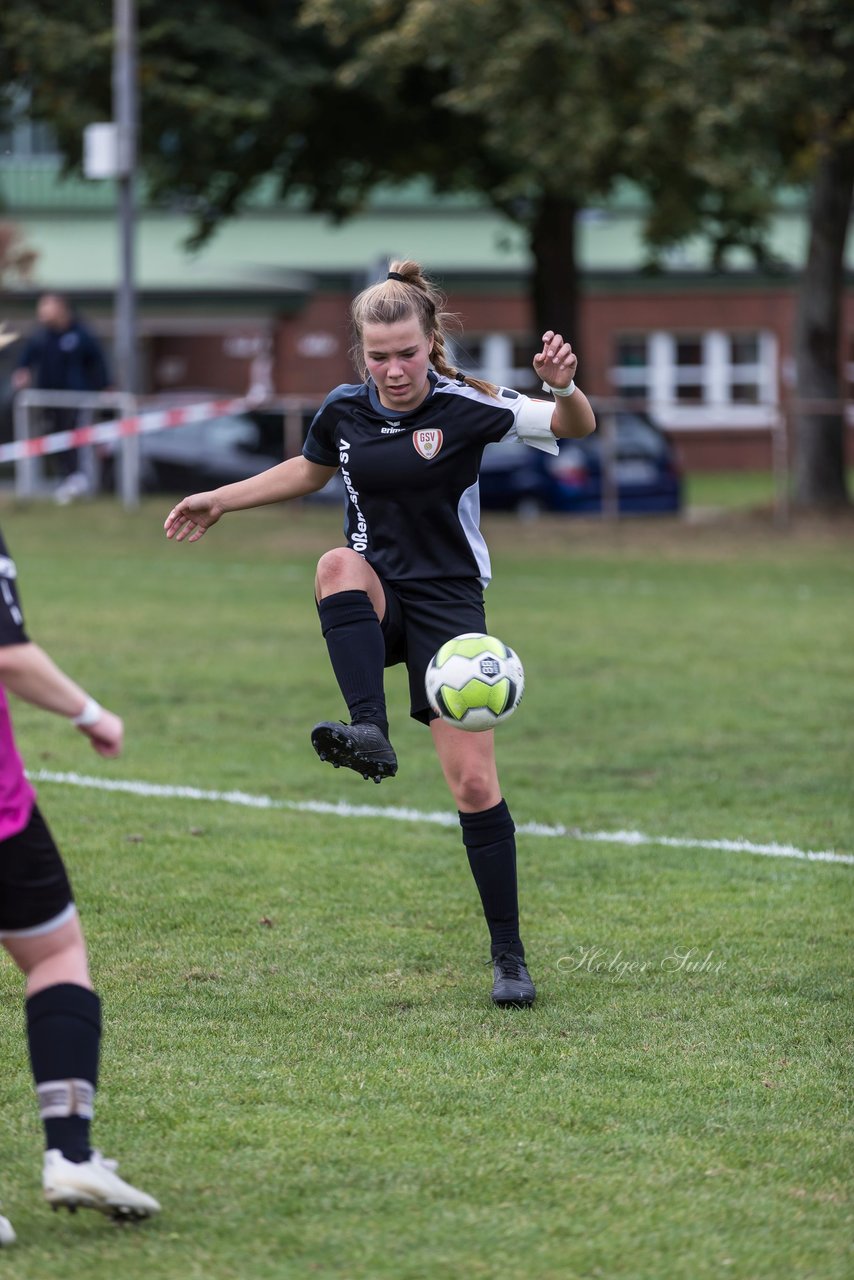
(41, 932)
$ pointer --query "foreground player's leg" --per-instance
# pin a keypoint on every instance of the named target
(468, 762)
(64, 1035)
(350, 604)
(7, 1235)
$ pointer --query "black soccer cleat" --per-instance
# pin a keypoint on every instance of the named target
(362, 747)
(512, 986)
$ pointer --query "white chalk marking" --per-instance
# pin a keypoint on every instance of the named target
(394, 813)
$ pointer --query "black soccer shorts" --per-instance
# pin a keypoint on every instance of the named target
(420, 616)
(35, 893)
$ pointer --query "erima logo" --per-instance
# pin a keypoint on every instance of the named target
(392, 429)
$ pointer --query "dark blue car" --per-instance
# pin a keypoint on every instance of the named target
(515, 477)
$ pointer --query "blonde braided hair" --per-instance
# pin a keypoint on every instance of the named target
(414, 294)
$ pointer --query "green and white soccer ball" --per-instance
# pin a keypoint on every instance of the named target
(475, 682)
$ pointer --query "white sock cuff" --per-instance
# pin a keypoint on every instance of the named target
(61, 1098)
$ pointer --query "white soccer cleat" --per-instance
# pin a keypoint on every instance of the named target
(93, 1185)
(7, 1235)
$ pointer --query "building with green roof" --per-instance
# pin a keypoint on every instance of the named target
(709, 352)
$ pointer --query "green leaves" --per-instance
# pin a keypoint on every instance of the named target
(707, 108)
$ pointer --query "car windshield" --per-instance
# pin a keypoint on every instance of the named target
(636, 437)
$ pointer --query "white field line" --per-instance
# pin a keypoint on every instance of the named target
(393, 813)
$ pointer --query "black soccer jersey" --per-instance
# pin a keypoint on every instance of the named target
(11, 618)
(412, 504)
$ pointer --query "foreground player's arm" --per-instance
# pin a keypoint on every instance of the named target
(292, 479)
(556, 364)
(28, 672)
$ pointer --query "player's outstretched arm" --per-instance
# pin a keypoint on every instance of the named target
(30, 673)
(557, 364)
(193, 516)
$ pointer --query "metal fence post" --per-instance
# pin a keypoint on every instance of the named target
(608, 464)
(29, 471)
(128, 456)
(780, 465)
(293, 430)
(25, 468)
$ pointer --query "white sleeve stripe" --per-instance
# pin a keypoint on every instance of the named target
(534, 424)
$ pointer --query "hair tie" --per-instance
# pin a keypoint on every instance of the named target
(395, 275)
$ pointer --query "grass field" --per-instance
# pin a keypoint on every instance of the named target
(729, 490)
(301, 1060)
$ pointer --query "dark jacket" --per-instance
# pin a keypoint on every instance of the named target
(68, 361)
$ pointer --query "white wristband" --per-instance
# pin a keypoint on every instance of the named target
(91, 714)
(560, 391)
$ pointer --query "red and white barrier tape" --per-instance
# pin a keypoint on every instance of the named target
(118, 428)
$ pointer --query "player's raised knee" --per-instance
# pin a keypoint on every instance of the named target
(340, 570)
(475, 790)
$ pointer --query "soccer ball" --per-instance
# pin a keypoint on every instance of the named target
(475, 682)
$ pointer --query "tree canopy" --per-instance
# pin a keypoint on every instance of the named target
(235, 95)
(538, 105)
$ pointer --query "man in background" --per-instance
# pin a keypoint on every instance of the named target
(62, 354)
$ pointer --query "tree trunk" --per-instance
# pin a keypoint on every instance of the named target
(555, 287)
(819, 437)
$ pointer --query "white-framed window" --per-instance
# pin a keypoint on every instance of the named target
(503, 358)
(700, 378)
(630, 374)
(23, 138)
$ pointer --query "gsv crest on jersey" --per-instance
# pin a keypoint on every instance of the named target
(427, 443)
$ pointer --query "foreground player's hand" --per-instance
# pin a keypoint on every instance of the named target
(556, 363)
(106, 734)
(192, 517)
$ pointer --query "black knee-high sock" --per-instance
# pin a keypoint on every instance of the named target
(64, 1035)
(489, 838)
(356, 647)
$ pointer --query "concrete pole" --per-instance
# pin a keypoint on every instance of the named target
(125, 111)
